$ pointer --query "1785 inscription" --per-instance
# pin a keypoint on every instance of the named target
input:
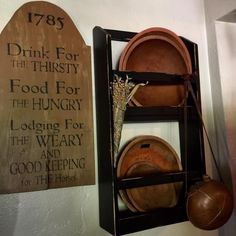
(46, 138)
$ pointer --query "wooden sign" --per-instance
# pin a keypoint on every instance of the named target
(46, 138)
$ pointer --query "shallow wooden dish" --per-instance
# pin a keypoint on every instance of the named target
(157, 50)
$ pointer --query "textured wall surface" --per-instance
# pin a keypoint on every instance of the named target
(214, 10)
(222, 75)
(226, 38)
(74, 211)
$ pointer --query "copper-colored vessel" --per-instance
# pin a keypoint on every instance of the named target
(157, 50)
(209, 204)
(146, 155)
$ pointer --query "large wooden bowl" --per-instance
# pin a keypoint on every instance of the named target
(157, 50)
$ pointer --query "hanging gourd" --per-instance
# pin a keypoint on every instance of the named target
(209, 202)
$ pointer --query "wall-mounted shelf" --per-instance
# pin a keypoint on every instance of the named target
(112, 219)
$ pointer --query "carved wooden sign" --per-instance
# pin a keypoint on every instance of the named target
(46, 138)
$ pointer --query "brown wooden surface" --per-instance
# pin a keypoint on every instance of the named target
(46, 138)
(157, 50)
(145, 155)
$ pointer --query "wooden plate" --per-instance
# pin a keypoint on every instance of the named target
(144, 155)
(150, 197)
(157, 50)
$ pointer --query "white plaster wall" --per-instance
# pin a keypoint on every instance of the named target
(215, 9)
(74, 211)
(226, 38)
(222, 66)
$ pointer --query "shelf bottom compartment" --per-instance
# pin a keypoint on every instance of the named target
(129, 222)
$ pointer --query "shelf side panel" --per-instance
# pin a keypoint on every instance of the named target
(102, 72)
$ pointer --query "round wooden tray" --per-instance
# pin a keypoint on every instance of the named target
(150, 197)
(157, 50)
(147, 155)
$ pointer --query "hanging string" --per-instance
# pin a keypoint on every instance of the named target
(186, 136)
(190, 89)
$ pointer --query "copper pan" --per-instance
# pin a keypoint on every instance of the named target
(157, 50)
(147, 155)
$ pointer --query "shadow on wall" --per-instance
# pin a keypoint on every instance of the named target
(230, 17)
(8, 213)
(226, 43)
(229, 228)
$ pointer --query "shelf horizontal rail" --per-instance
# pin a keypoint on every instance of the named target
(157, 114)
(119, 35)
(151, 77)
(149, 114)
(159, 178)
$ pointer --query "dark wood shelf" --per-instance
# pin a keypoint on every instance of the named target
(113, 219)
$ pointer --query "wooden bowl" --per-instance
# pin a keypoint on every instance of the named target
(147, 155)
(150, 197)
(157, 50)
